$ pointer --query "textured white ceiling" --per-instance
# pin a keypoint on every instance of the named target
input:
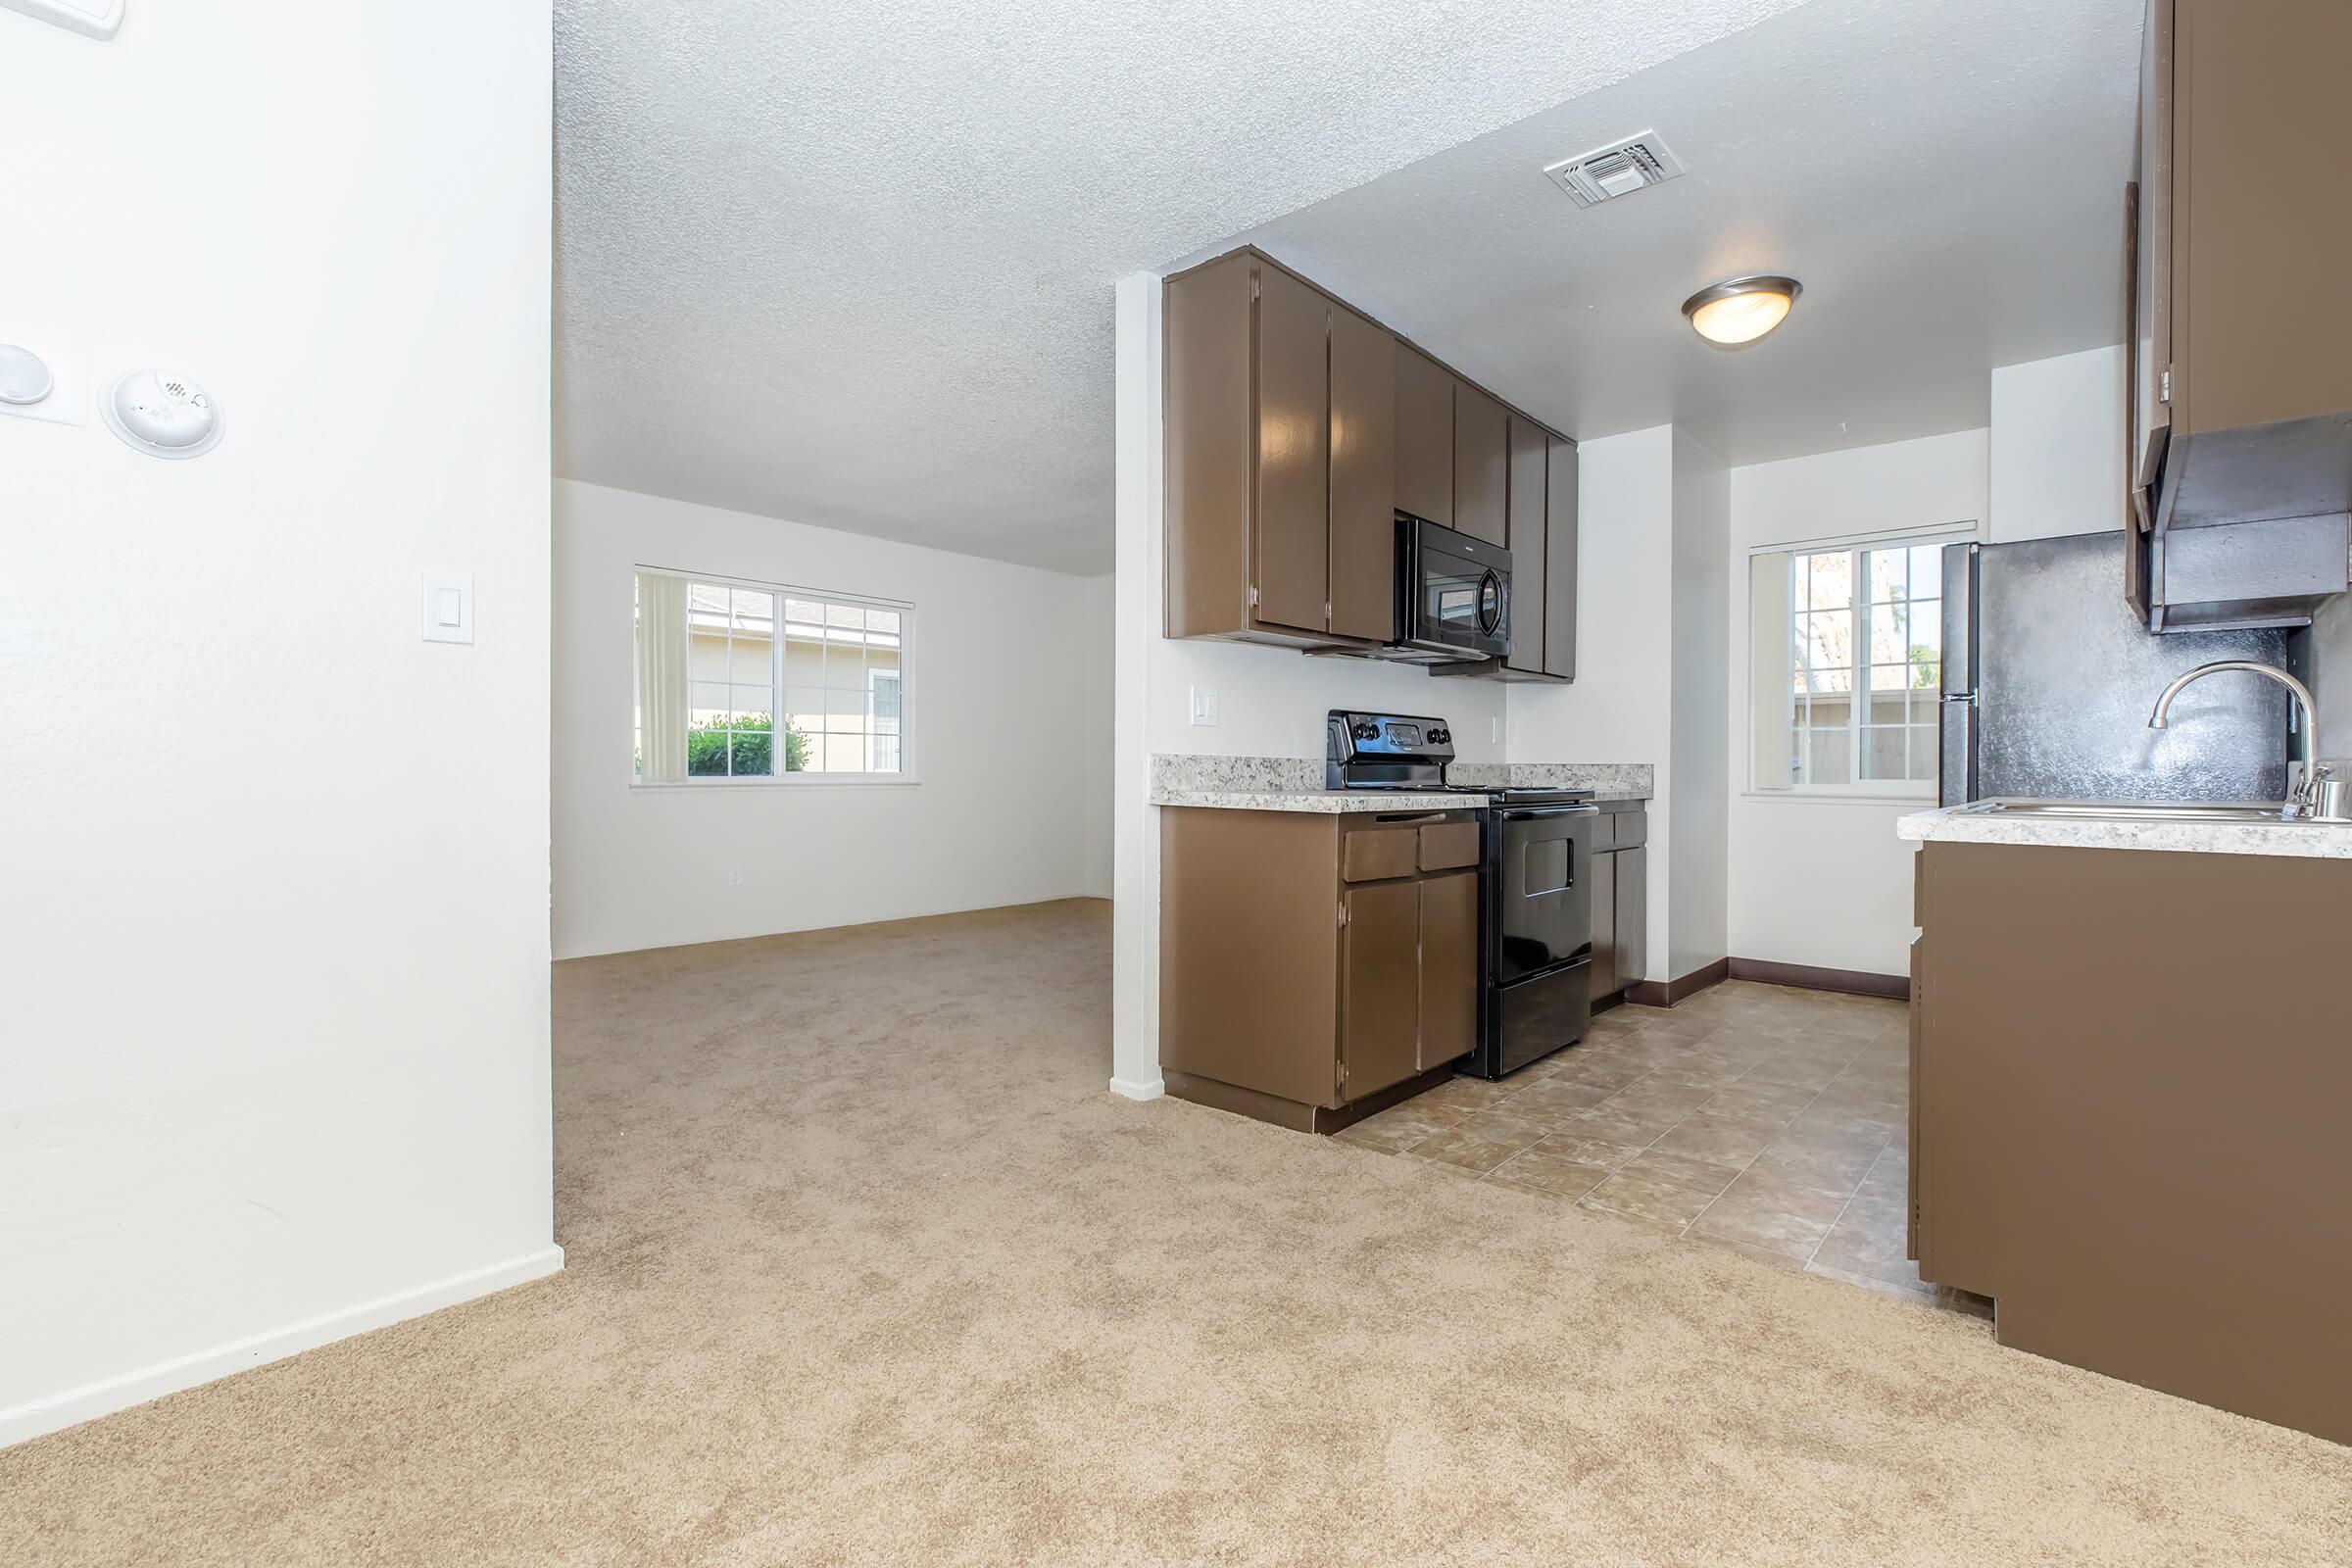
(851, 263)
(1946, 180)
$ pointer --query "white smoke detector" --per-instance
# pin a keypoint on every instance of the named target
(162, 415)
(1619, 168)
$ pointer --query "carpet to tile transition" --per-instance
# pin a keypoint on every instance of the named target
(866, 1266)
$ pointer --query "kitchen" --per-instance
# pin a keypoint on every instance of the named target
(1614, 637)
(1515, 783)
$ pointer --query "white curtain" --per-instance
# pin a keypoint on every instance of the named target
(1771, 704)
(661, 676)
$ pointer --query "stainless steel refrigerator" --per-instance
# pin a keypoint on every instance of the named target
(2048, 680)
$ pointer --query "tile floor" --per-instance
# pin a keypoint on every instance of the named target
(1767, 1120)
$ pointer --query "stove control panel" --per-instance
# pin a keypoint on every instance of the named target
(1386, 749)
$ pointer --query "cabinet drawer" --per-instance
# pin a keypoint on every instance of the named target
(1446, 845)
(1633, 828)
(1373, 855)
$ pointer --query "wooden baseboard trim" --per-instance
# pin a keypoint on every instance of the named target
(1810, 977)
(1666, 993)
(1804, 976)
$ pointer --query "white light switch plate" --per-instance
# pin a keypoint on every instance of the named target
(1205, 705)
(99, 19)
(448, 607)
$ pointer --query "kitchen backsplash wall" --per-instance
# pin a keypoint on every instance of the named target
(1271, 702)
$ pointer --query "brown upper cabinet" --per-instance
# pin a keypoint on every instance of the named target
(1363, 508)
(1540, 511)
(1297, 428)
(1481, 444)
(1559, 561)
(1279, 409)
(1526, 535)
(2241, 401)
(1425, 392)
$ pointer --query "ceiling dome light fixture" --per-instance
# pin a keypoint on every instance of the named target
(1742, 309)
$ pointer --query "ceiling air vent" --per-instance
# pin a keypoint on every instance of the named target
(1618, 170)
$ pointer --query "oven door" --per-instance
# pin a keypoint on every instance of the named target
(1542, 889)
(1461, 592)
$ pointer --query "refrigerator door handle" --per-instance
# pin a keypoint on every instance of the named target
(1956, 749)
(1960, 586)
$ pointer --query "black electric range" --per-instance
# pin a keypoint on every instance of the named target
(1535, 897)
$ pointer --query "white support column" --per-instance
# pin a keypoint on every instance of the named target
(1135, 822)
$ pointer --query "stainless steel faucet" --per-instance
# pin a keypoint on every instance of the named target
(2305, 801)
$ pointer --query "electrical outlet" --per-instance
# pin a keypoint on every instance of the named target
(734, 876)
(1498, 730)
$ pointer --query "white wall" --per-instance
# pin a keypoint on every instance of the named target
(1003, 665)
(1138, 539)
(1699, 731)
(1813, 881)
(1619, 709)
(277, 1049)
(1271, 701)
(1098, 604)
(2057, 446)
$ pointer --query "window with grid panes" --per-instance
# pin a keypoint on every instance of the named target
(753, 682)
(1852, 704)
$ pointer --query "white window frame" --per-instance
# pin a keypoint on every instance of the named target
(897, 677)
(908, 619)
(1861, 790)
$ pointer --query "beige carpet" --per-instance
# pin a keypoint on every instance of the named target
(865, 1266)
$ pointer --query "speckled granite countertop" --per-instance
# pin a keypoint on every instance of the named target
(1326, 801)
(1295, 784)
(1973, 824)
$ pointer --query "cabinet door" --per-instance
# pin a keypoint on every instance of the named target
(1632, 916)
(1560, 563)
(2262, 123)
(1604, 926)
(1289, 547)
(1424, 472)
(1482, 464)
(1363, 477)
(1380, 991)
(1911, 1166)
(1525, 540)
(1449, 969)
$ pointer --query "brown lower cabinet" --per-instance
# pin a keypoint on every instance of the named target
(1620, 898)
(2130, 1082)
(1313, 966)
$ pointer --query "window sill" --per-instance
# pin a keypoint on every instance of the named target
(1917, 803)
(790, 781)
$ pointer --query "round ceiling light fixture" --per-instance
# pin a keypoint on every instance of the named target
(1742, 309)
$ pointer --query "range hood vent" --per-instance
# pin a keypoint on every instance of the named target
(1619, 168)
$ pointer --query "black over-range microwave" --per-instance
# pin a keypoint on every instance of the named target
(1454, 596)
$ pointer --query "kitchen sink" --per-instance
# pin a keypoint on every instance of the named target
(2144, 811)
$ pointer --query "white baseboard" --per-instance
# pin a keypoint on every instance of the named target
(1135, 1091)
(92, 1399)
